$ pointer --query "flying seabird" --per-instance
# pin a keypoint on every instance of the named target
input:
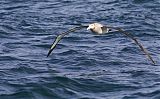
(100, 29)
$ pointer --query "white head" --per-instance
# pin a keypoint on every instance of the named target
(94, 25)
(91, 26)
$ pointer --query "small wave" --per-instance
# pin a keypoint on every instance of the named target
(24, 68)
(8, 28)
(69, 52)
(9, 58)
(141, 1)
(14, 7)
(132, 50)
(89, 85)
(153, 94)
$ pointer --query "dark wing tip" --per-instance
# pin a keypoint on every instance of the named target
(154, 63)
(51, 49)
(49, 52)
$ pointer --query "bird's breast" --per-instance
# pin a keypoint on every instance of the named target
(97, 31)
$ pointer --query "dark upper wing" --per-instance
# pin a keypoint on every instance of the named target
(105, 29)
(135, 40)
(59, 37)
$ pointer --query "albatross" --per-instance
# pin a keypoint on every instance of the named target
(100, 29)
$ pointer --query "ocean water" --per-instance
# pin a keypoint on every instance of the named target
(83, 65)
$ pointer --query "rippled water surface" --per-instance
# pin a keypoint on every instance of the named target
(83, 65)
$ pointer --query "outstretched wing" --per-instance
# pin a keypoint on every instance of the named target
(59, 37)
(135, 40)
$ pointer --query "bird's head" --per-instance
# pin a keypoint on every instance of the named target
(91, 26)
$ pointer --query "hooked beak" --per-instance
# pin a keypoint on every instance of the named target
(88, 28)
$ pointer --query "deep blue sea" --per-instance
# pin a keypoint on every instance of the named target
(83, 65)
